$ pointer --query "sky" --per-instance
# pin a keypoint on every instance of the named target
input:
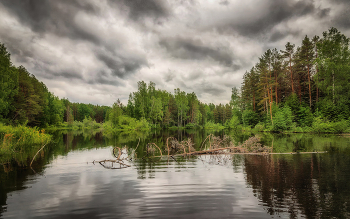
(96, 51)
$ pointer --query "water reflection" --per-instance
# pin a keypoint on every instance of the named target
(313, 185)
(241, 186)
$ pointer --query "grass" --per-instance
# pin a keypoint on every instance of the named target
(20, 142)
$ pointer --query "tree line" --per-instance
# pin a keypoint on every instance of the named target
(26, 100)
(297, 87)
(300, 84)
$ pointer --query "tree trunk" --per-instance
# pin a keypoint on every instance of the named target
(333, 86)
(291, 72)
(276, 87)
(254, 101)
(308, 77)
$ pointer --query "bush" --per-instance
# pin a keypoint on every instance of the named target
(211, 125)
(128, 123)
(250, 118)
(190, 126)
(297, 129)
(259, 127)
(21, 140)
(304, 116)
(233, 123)
(322, 125)
(282, 120)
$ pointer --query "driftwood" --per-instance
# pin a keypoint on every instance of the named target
(121, 164)
(117, 161)
(217, 146)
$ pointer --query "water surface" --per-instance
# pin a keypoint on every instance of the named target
(65, 183)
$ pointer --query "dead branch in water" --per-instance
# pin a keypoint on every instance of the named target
(220, 151)
(205, 140)
(119, 153)
(218, 145)
(167, 145)
(121, 164)
(36, 154)
(161, 154)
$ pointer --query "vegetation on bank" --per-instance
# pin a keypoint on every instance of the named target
(20, 142)
(293, 90)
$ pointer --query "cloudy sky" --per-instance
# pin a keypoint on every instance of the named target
(96, 51)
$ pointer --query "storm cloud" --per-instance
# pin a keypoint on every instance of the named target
(195, 49)
(96, 51)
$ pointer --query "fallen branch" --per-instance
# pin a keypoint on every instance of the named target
(204, 141)
(36, 154)
(102, 162)
(208, 151)
(161, 154)
(119, 153)
(167, 145)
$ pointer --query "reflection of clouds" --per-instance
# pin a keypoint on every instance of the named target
(196, 189)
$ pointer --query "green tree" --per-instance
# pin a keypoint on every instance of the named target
(288, 53)
(182, 106)
(156, 113)
(115, 114)
(333, 70)
(8, 83)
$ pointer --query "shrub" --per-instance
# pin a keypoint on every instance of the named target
(282, 120)
(190, 126)
(259, 127)
(304, 116)
(128, 123)
(211, 125)
(21, 140)
(322, 125)
(250, 118)
(233, 123)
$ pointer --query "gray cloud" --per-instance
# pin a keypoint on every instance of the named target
(224, 2)
(262, 20)
(279, 35)
(80, 47)
(189, 48)
(169, 76)
(121, 66)
(205, 87)
(139, 9)
(53, 16)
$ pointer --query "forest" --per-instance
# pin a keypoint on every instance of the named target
(297, 89)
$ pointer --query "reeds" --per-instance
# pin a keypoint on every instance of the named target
(21, 140)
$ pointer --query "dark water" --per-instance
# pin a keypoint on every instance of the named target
(64, 183)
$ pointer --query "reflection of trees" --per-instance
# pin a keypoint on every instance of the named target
(314, 185)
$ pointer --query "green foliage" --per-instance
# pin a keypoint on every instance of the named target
(304, 116)
(284, 91)
(8, 83)
(293, 103)
(282, 120)
(215, 126)
(156, 109)
(20, 140)
(321, 125)
(127, 123)
(115, 114)
(250, 118)
(233, 123)
(190, 126)
(259, 127)
(89, 123)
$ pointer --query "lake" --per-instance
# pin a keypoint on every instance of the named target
(65, 182)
